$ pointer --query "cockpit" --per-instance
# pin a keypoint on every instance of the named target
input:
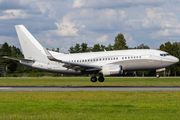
(165, 54)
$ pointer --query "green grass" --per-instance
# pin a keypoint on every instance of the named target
(81, 105)
(91, 105)
(85, 81)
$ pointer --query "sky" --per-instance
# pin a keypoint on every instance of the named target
(63, 23)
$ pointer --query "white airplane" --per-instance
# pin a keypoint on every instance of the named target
(104, 63)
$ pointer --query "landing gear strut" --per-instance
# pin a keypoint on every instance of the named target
(100, 79)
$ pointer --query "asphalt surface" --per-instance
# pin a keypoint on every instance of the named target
(89, 88)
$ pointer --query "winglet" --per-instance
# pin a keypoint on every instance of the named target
(49, 56)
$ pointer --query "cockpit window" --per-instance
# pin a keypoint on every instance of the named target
(164, 54)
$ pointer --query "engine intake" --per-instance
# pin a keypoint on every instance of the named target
(112, 70)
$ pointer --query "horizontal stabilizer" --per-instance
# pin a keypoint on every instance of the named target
(19, 59)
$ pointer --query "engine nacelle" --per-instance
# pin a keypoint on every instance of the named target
(112, 70)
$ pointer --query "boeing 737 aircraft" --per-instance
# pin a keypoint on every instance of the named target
(104, 63)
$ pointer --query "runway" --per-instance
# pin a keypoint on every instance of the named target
(89, 88)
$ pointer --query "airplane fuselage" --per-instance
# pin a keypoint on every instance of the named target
(130, 60)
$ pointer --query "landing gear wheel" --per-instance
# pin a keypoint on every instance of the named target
(93, 79)
(101, 79)
(157, 75)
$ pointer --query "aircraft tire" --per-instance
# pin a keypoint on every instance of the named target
(93, 79)
(101, 79)
(157, 76)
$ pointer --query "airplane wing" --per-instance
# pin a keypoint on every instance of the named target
(71, 65)
(19, 59)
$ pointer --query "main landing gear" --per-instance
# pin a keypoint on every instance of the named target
(100, 79)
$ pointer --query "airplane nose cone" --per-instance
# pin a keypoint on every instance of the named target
(176, 60)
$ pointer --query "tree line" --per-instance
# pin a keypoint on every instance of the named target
(119, 44)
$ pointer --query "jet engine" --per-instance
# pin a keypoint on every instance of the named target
(112, 70)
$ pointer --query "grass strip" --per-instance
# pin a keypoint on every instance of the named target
(85, 81)
(94, 105)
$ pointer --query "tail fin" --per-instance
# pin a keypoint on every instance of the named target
(31, 48)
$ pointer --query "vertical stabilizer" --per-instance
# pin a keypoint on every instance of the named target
(31, 48)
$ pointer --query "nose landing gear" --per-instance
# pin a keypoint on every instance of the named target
(157, 75)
